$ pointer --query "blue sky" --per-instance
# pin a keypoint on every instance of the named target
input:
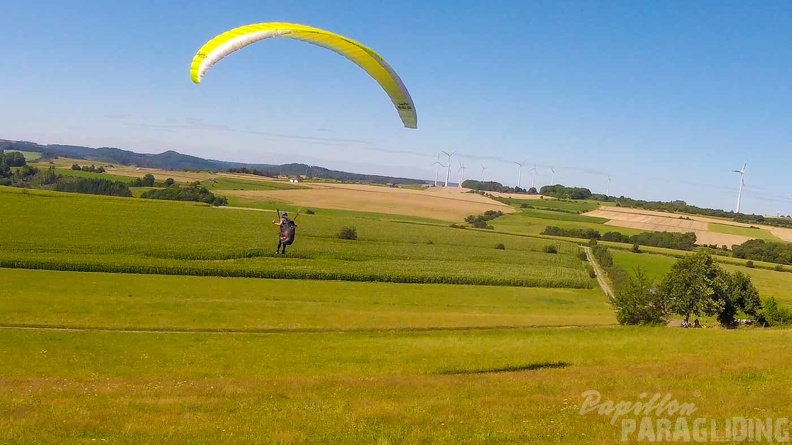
(667, 97)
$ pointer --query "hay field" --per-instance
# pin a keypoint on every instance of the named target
(780, 232)
(647, 220)
(445, 204)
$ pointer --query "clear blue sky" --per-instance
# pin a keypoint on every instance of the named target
(666, 96)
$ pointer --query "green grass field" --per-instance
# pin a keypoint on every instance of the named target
(96, 300)
(373, 387)
(744, 231)
(470, 345)
(131, 235)
(534, 222)
(92, 175)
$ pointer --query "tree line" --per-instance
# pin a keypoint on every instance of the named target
(32, 177)
(28, 176)
(669, 240)
(190, 192)
(88, 168)
(493, 186)
(761, 250)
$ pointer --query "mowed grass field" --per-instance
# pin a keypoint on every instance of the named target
(155, 302)
(414, 333)
(473, 386)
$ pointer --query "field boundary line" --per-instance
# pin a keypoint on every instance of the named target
(272, 331)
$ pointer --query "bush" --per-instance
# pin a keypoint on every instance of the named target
(636, 249)
(774, 315)
(347, 233)
(582, 255)
(638, 303)
(750, 264)
(309, 212)
(591, 272)
(500, 246)
(480, 221)
(779, 268)
(549, 248)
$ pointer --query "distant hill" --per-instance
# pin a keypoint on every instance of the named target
(172, 160)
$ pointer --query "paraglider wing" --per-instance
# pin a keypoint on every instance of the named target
(364, 57)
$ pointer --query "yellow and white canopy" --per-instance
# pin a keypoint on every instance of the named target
(364, 57)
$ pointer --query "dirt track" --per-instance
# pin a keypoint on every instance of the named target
(600, 274)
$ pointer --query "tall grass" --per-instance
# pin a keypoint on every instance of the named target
(101, 234)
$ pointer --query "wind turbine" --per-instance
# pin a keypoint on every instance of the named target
(482, 172)
(448, 167)
(437, 169)
(533, 180)
(607, 190)
(552, 176)
(742, 183)
(461, 174)
(519, 175)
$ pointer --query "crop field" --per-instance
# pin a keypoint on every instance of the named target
(659, 222)
(107, 234)
(136, 321)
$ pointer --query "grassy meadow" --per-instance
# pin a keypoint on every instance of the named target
(534, 222)
(154, 302)
(752, 232)
(91, 175)
(136, 321)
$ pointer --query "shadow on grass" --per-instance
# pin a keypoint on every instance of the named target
(517, 368)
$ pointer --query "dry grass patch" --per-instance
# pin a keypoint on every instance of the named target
(447, 204)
